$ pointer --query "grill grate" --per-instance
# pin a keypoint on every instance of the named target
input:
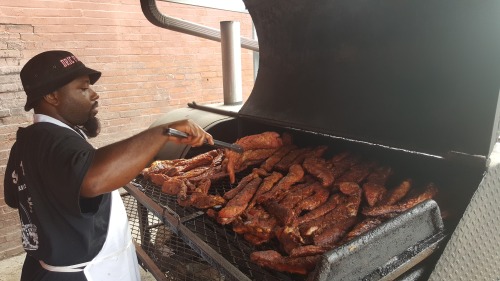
(168, 251)
(221, 238)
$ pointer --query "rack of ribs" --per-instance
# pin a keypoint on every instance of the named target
(295, 196)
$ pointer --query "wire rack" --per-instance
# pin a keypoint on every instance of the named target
(180, 259)
(166, 249)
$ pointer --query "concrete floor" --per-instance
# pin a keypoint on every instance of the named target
(10, 269)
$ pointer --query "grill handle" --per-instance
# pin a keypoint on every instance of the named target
(217, 143)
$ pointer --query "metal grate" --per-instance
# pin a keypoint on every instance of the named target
(167, 250)
(222, 239)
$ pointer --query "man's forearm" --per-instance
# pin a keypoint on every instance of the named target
(117, 164)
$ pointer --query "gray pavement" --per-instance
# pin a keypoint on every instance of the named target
(10, 269)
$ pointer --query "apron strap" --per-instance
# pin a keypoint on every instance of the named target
(70, 268)
(81, 266)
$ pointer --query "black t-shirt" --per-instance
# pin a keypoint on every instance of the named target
(42, 180)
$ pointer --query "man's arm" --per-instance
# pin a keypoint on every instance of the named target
(117, 164)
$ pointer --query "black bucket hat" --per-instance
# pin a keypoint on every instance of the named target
(48, 71)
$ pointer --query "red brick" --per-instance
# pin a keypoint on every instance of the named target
(147, 70)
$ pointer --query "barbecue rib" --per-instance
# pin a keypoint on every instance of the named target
(317, 205)
(288, 160)
(308, 250)
(319, 168)
(266, 140)
(268, 165)
(256, 223)
(324, 208)
(262, 140)
(266, 185)
(398, 192)
(362, 227)
(318, 197)
(244, 181)
(238, 204)
(380, 175)
(429, 192)
(273, 260)
(295, 174)
(373, 192)
(330, 235)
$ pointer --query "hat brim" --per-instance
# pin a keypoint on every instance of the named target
(94, 75)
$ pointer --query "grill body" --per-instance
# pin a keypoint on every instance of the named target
(410, 84)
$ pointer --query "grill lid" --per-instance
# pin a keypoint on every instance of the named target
(421, 75)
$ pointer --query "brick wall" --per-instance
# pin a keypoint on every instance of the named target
(147, 71)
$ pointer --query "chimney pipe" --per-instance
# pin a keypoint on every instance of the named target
(231, 62)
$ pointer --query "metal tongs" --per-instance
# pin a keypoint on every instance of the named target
(217, 143)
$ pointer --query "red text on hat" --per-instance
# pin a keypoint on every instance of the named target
(67, 61)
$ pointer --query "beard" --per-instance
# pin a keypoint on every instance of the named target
(92, 127)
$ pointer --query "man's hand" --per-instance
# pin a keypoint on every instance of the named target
(196, 135)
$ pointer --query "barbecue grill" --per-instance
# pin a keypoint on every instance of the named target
(413, 85)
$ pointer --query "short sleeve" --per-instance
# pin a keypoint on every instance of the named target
(65, 163)
(10, 181)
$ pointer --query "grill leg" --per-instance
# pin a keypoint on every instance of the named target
(143, 224)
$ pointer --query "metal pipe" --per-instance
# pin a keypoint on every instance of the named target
(231, 62)
(194, 105)
(151, 12)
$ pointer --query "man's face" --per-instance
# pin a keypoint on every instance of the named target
(78, 105)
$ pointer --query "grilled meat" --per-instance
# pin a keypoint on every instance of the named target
(356, 174)
(241, 185)
(157, 179)
(311, 209)
(268, 165)
(283, 215)
(257, 223)
(258, 141)
(380, 175)
(324, 208)
(373, 192)
(317, 198)
(257, 239)
(266, 140)
(203, 186)
(252, 157)
(179, 167)
(288, 160)
(308, 250)
(289, 238)
(362, 227)
(201, 201)
(238, 204)
(159, 167)
(266, 185)
(319, 168)
(330, 235)
(398, 192)
(348, 207)
(274, 260)
(429, 192)
(295, 174)
(339, 157)
(296, 194)
(354, 197)
(172, 186)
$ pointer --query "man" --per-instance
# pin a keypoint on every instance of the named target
(74, 225)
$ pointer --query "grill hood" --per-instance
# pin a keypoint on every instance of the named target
(419, 75)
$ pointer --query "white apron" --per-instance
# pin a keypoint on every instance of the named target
(117, 260)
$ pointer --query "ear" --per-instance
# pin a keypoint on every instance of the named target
(52, 98)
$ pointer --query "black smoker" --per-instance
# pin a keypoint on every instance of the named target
(414, 84)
